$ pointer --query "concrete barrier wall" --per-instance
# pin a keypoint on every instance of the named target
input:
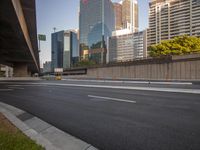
(174, 68)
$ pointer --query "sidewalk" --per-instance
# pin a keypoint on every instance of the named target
(12, 139)
(43, 133)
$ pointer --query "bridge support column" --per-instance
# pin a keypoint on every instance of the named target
(21, 70)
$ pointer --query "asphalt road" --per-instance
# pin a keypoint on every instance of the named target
(112, 118)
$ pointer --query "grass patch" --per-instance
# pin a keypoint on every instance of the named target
(13, 139)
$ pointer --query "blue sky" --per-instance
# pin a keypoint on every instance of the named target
(63, 14)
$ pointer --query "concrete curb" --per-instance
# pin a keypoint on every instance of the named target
(134, 81)
(21, 79)
(43, 133)
(81, 77)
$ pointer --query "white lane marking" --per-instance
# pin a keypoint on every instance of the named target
(17, 88)
(112, 99)
(4, 90)
(134, 82)
(172, 90)
(100, 81)
(25, 84)
(173, 83)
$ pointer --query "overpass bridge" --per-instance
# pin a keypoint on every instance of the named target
(18, 36)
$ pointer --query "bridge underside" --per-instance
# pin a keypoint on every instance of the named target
(18, 36)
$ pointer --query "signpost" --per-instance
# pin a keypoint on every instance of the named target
(41, 37)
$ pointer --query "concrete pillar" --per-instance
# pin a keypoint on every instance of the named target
(20, 70)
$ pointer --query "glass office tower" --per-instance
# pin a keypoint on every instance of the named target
(57, 45)
(71, 51)
(96, 23)
(65, 51)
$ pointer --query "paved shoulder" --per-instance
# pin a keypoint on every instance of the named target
(43, 133)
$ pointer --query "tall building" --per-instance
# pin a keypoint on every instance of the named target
(130, 15)
(118, 15)
(71, 50)
(65, 50)
(170, 18)
(57, 48)
(96, 23)
(127, 47)
(47, 67)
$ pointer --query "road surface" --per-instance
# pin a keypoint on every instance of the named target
(114, 115)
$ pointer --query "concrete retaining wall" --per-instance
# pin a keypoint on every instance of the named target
(185, 67)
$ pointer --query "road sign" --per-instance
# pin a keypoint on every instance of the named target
(42, 37)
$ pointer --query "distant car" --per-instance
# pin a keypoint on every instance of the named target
(58, 77)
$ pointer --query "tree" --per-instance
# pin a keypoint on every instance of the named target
(85, 63)
(177, 46)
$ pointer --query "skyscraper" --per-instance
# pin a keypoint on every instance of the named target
(118, 15)
(127, 47)
(96, 23)
(130, 15)
(64, 49)
(57, 46)
(47, 67)
(170, 18)
(126, 42)
(71, 50)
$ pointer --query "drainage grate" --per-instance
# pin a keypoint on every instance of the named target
(25, 116)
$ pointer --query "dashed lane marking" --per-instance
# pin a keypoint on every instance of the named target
(5, 90)
(112, 99)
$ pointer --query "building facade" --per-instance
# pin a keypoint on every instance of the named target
(65, 50)
(6, 71)
(57, 48)
(170, 18)
(96, 23)
(118, 16)
(130, 15)
(71, 49)
(127, 47)
(47, 67)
